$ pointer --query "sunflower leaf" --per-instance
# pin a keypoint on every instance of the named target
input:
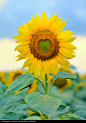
(10, 116)
(20, 82)
(66, 75)
(32, 118)
(46, 104)
(14, 101)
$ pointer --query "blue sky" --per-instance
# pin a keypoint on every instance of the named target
(13, 13)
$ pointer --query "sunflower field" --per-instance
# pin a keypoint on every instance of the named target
(50, 89)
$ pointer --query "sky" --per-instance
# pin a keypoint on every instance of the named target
(14, 13)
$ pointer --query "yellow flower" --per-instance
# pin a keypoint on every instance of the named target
(61, 83)
(44, 46)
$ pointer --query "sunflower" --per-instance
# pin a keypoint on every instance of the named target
(44, 46)
(13, 75)
(61, 83)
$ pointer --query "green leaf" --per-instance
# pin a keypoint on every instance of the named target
(32, 118)
(61, 110)
(58, 118)
(80, 107)
(46, 104)
(66, 75)
(80, 115)
(14, 101)
(20, 82)
(10, 116)
(61, 117)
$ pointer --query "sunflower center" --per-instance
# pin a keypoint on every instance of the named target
(60, 82)
(44, 45)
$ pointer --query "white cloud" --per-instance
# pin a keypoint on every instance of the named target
(7, 54)
(80, 60)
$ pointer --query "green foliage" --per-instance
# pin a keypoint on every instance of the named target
(61, 111)
(46, 104)
(14, 101)
(66, 75)
(20, 82)
(10, 116)
(32, 118)
(67, 105)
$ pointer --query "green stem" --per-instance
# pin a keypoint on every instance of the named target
(51, 85)
(40, 82)
(46, 85)
(40, 114)
(23, 103)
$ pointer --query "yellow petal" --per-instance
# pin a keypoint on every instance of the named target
(50, 79)
(62, 61)
(23, 41)
(32, 66)
(23, 28)
(22, 47)
(36, 22)
(21, 56)
(30, 27)
(46, 66)
(43, 21)
(71, 39)
(67, 45)
(16, 37)
(64, 35)
(61, 26)
(51, 20)
(54, 66)
(22, 33)
(67, 53)
(28, 61)
(42, 73)
(44, 16)
(38, 68)
(24, 50)
(55, 25)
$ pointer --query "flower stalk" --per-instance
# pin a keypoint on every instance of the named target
(46, 85)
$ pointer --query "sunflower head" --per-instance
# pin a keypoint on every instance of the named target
(44, 46)
(14, 74)
(61, 83)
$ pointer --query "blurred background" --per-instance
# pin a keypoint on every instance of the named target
(14, 13)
